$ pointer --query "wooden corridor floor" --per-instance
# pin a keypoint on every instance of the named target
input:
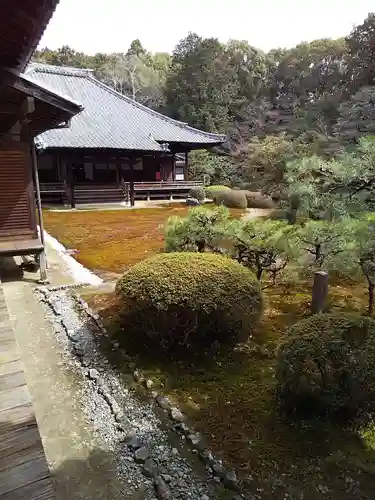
(24, 471)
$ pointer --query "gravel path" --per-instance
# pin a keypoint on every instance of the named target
(152, 460)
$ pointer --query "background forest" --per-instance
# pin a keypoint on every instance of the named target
(314, 99)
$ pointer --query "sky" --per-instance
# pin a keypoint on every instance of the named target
(110, 25)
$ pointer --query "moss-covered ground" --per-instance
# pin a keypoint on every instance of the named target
(230, 398)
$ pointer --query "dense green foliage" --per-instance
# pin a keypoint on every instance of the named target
(201, 230)
(190, 300)
(260, 245)
(198, 193)
(312, 99)
(327, 363)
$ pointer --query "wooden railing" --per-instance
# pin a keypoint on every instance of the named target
(60, 187)
(59, 192)
(52, 187)
(166, 185)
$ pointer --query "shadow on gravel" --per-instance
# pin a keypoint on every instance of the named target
(92, 479)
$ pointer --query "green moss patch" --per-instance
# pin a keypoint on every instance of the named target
(230, 398)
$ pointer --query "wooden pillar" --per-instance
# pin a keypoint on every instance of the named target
(42, 255)
(173, 167)
(131, 183)
(186, 166)
(118, 173)
(70, 183)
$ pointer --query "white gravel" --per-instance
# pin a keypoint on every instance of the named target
(135, 416)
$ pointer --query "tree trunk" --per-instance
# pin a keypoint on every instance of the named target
(371, 287)
(292, 216)
(318, 252)
(201, 246)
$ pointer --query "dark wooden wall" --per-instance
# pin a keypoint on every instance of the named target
(108, 168)
(17, 202)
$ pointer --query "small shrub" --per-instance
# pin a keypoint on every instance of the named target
(258, 200)
(201, 230)
(327, 363)
(231, 199)
(198, 193)
(211, 191)
(189, 300)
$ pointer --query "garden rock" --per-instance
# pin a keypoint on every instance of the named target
(94, 374)
(150, 468)
(163, 491)
(134, 443)
(207, 457)
(163, 402)
(176, 415)
(181, 426)
(192, 202)
(141, 455)
(196, 441)
(218, 470)
(138, 377)
(149, 383)
(230, 481)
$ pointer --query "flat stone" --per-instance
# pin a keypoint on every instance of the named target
(141, 455)
(163, 491)
(181, 426)
(150, 468)
(207, 457)
(230, 481)
(94, 374)
(167, 478)
(163, 402)
(218, 470)
(196, 441)
(138, 377)
(79, 350)
(149, 383)
(123, 424)
(176, 415)
(134, 443)
(237, 497)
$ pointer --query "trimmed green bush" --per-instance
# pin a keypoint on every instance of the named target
(326, 363)
(190, 300)
(258, 200)
(231, 199)
(211, 191)
(200, 231)
(198, 193)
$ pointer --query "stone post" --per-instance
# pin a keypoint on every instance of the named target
(319, 292)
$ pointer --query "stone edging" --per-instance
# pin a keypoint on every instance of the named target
(227, 478)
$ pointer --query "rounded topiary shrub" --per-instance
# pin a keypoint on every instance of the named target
(211, 191)
(190, 300)
(326, 363)
(258, 200)
(198, 193)
(231, 199)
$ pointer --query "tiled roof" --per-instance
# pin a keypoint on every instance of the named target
(110, 119)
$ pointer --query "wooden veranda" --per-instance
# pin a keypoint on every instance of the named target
(24, 472)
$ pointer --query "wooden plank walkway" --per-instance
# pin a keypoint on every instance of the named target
(20, 247)
(24, 471)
